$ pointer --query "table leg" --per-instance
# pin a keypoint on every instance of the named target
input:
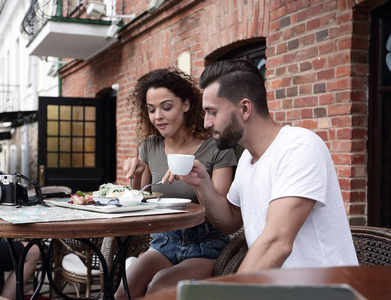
(109, 286)
(16, 269)
(120, 261)
(19, 267)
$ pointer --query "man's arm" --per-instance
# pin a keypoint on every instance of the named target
(284, 219)
(212, 195)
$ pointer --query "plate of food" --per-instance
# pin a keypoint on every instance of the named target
(169, 202)
(100, 204)
(111, 190)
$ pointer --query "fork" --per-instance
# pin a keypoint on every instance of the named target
(151, 184)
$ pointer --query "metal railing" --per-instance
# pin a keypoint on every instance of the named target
(40, 11)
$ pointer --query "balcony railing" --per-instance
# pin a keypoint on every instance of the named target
(69, 28)
(40, 11)
(78, 29)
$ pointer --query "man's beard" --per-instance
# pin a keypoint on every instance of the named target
(230, 136)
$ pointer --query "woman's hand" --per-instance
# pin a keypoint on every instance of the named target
(133, 166)
(170, 177)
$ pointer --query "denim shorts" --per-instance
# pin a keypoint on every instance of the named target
(201, 241)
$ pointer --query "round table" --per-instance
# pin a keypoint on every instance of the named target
(95, 228)
(194, 215)
(372, 282)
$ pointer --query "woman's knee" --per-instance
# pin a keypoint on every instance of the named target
(196, 268)
(34, 254)
(159, 281)
(120, 294)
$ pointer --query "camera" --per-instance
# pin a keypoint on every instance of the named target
(11, 191)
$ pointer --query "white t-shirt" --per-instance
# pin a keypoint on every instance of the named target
(297, 163)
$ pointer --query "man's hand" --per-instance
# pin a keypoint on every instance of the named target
(196, 177)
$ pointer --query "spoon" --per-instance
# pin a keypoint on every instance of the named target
(97, 202)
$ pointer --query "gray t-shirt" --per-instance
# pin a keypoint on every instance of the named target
(152, 153)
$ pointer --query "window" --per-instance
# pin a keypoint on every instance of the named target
(252, 52)
(71, 136)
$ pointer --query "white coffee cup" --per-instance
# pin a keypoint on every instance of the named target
(180, 164)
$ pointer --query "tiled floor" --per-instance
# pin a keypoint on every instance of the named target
(69, 291)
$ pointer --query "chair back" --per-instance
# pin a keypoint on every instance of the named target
(109, 248)
(232, 255)
(82, 277)
(51, 189)
(373, 245)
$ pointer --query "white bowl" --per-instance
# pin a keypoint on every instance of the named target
(180, 164)
(130, 198)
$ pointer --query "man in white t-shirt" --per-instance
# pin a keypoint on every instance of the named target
(285, 192)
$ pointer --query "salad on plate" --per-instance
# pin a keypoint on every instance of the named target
(113, 190)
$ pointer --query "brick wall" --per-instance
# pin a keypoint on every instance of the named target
(317, 77)
(317, 68)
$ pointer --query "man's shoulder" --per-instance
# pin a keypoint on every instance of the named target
(296, 130)
(299, 134)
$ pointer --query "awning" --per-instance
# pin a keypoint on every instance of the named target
(18, 118)
(5, 135)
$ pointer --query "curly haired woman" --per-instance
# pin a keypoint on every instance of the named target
(168, 104)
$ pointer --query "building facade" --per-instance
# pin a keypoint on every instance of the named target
(22, 79)
(327, 69)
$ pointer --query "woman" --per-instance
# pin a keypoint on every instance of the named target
(170, 120)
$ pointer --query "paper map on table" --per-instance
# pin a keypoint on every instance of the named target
(109, 209)
(40, 214)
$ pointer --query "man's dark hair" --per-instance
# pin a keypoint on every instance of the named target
(238, 79)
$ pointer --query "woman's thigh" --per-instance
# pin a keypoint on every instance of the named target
(192, 268)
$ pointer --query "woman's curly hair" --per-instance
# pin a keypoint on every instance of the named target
(182, 86)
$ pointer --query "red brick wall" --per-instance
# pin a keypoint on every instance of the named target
(317, 77)
(317, 68)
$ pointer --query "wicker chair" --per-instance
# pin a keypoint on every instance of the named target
(138, 245)
(232, 256)
(51, 189)
(76, 264)
(373, 245)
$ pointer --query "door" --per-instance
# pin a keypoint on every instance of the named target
(379, 122)
(76, 142)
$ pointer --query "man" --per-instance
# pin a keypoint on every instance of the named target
(285, 192)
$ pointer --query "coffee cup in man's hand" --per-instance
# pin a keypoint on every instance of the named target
(180, 164)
